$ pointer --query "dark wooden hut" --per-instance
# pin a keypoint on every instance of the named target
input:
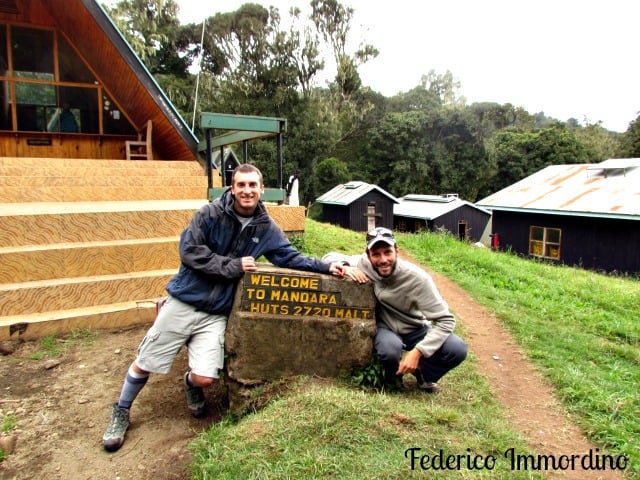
(441, 212)
(358, 206)
(585, 215)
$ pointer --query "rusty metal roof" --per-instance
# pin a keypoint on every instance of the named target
(607, 189)
(347, 193)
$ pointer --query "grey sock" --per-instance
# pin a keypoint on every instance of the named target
(133, 383)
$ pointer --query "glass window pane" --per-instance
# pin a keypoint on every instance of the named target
(32, 53)
(83, 103)
(553, 251)
(114, 122)
(537, 233)
(535, 248)
(35, 93)
(34, 104)
(4, 57)
(71, 66)
(553, 235)
(64, 119)
(6, 120)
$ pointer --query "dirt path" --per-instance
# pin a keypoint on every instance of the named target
(62, 409)
(531, 405)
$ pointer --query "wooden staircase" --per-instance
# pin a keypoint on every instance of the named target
(89, 243)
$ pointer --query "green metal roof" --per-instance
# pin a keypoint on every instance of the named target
(239, 128)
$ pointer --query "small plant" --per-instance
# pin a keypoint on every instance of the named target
(83, 336)
(8, 423)
(39, 355)
(49, 346)
(52, 346)
(371, 376)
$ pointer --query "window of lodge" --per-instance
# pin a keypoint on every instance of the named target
(46, 87)
(544, 242)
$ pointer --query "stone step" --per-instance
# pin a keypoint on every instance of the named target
(29, 224)
(28, 298)
(111, 316)
(43, 262)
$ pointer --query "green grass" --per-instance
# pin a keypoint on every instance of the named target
(8, 424)
(54, 346)
(330, 430)
(579, 328)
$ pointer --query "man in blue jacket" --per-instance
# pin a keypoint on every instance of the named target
(222, 241)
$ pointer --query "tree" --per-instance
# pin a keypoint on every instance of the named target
(458, 145)
(493, 117)
(305, 52)
(444, 87)
(396, 153)
(150, 27)
(426, 140)
(630, 140)
(313, 135)
(518, 154)
(599, 143)
(329, 173)
(333, 22)
(418, 98)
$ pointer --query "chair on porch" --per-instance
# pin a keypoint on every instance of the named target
(141, 149)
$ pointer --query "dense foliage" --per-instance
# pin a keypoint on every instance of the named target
(254, 61)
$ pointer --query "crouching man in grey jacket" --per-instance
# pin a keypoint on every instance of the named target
(411, 315)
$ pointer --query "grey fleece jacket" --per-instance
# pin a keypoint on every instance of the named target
(407, 299)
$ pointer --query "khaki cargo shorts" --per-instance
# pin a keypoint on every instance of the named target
(179, 324)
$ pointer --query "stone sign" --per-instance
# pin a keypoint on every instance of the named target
(287, 322)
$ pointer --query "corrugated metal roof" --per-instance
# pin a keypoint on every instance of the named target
(607, 189)
(429, 207)
(347, 193)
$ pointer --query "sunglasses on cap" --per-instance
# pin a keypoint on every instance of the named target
(379, 232)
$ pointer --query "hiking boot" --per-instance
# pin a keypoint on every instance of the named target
(113, 438)
(429, 387)
(195, 398)
(423, 385)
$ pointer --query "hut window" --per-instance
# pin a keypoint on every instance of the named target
(45, 86)
(545, 242)
(32, 53)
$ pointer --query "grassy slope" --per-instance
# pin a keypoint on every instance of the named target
(580, 328)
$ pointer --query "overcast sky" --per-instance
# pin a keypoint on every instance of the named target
(566, 58)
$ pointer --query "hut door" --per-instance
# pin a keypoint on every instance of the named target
(462, 229)
(371, 216)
